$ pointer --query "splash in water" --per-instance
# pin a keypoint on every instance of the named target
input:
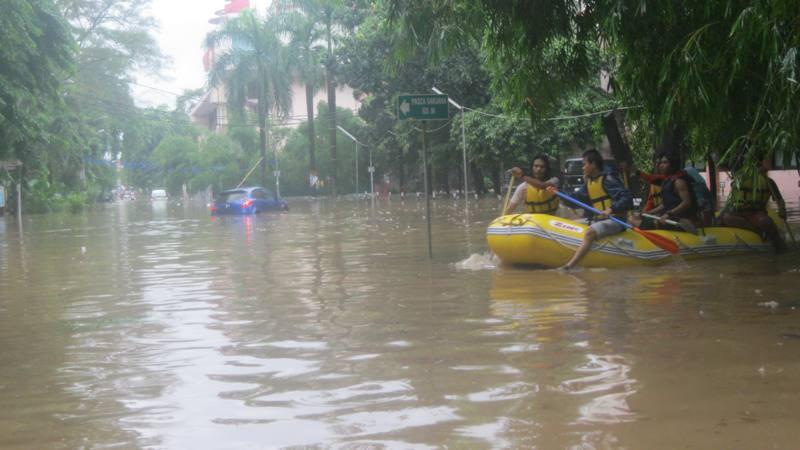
(478, 261)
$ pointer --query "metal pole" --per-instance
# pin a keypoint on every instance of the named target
(356, 167)
(277, 172)
(464, 152)
(425, 175)
(19, 204)
(463, 138)
(371, 174)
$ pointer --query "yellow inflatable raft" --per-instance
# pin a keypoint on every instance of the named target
(550, 241)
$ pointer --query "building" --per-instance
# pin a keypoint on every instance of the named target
(211, 111)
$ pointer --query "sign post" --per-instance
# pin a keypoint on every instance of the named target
(427, 189)
(424, 108)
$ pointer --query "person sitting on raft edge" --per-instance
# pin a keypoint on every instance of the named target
(604, 192)
(533, 192)
(747, 205)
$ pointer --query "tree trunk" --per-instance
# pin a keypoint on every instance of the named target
(477, 179)
(401, 170)
(497, 181)
(330, 85)
(312, 138)
(262, 134)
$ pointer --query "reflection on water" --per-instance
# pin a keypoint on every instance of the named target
(154, 325)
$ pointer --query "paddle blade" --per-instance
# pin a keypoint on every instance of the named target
(660, 241)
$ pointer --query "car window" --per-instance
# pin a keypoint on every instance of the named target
(259, 194)
(573, 168)
(268, 193)
(234, 196)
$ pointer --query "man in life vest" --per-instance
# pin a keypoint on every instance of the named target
(604, 192)
(747, 205)
(678, 202)
(533, 192)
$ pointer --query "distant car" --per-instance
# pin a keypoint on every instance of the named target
(572, 175)
(248, 200)
(158, 194)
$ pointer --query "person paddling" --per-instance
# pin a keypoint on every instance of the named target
(533, 192)
(604, 192)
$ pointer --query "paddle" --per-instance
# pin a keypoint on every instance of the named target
(508, 195)
(660, 241)
(685, 227)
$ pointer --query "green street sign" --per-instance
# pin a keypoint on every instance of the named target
(422, 107)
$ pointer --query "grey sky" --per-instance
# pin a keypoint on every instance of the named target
(183, 25)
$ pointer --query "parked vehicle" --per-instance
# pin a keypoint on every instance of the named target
(247, 200)
(572, 175)
(158, 194)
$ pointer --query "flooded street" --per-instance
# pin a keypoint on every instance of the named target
(154, 326)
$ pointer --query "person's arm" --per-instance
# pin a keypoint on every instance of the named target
(650, 177)
(538, 184)
(621, 198)
(776, 195)
(686, 200)
(657, 210)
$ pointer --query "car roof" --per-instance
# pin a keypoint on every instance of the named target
(242, 189)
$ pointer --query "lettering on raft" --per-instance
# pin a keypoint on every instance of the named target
(566, 226)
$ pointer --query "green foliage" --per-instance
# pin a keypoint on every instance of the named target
(176, 156)
(220, 163)
(294, 157)
(724, 71)
(37, 55)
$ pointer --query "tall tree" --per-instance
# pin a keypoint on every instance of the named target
(326, 13)
(726, 71)
(114, 39)
(254, 66)
(305, 47)
(37, 55)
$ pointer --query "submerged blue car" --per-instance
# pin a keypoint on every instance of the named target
(247, 200)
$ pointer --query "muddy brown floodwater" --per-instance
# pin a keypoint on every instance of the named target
(154, 326)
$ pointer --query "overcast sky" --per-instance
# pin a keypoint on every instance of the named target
(183, 25)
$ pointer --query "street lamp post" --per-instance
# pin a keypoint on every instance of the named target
(357, 143)
(371, 181)
(463, 138)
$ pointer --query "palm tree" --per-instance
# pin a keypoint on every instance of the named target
(255, 64)
(324, 12)
(305, 37)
